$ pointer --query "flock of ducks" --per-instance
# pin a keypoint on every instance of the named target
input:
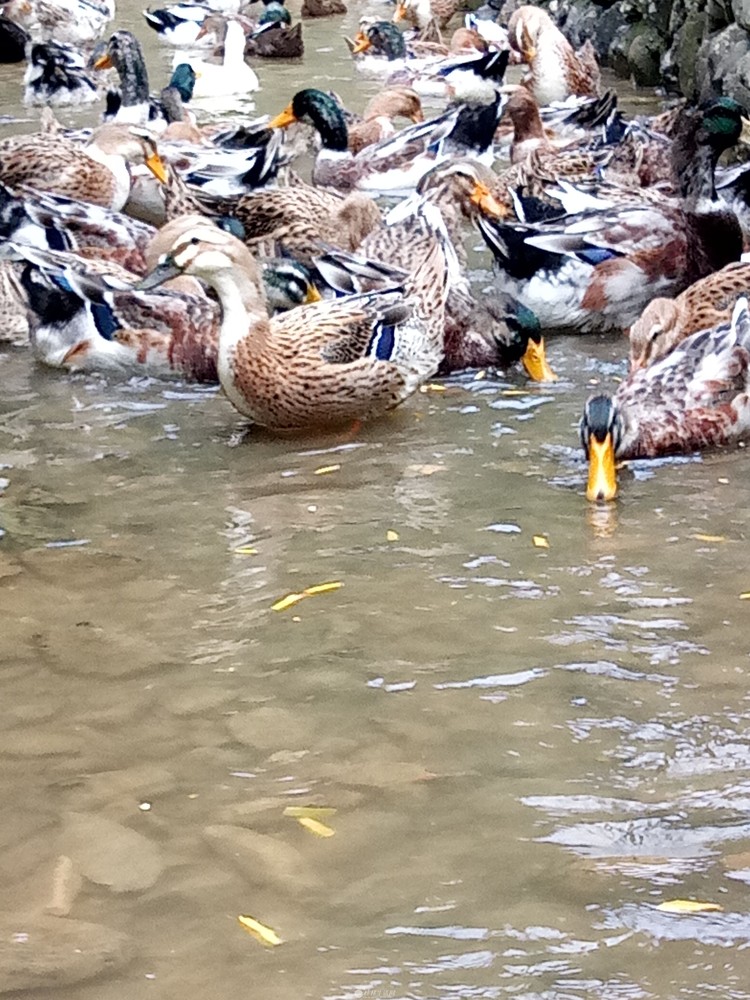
(172, 240)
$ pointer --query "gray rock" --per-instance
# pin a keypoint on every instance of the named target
(40, 952)
(110, 854)
(716, 58)
(262, 858)
(741, 12)
(644, 56)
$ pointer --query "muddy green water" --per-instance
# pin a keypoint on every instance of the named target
(528, 748)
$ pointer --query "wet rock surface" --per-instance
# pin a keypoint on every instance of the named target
(685, 47)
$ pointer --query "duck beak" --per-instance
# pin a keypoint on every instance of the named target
(400, 12)
(417, 116)
(487, 202)
(156, 165)
(313, 295)
(104, 62)
(284, 118)
(535, 362)
(602, 481)
(745, 133)
(164, 270)
(361, 43)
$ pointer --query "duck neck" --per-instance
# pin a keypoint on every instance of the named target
(242, 304)
(133, 78)
(693, 166)
(234, 44)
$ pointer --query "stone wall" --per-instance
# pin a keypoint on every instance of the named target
(698, 48)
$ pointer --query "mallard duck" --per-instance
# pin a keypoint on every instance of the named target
(322, 8)
(276, 40)
(693, 398)
(664, 323)
(300, 220)
(123, 52)
(98, 172)
(331, 362)
(556, 70)
(74, 22)
(231, 76)
(598, 270)
(13, 40)
(397, 163)
(56, 75)
(180, 23)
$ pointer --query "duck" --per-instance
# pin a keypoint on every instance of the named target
(430, 16)
(299, 220)
(97, 172)
(707, 303)
(556, 71)
(56, 75)
(332, 362)
(179, 24)
(13, 41)
(322, 8)
(376, 123)
(72, 22)
(276, 40)
(123, 53)
(395, 164)
(597, 270)
(695, 397)
(232, 76)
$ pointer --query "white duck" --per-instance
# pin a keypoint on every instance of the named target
(231, 76)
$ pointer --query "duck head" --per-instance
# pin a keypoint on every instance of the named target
(183, 80)
(383, 37)
(319, 110)
(465, 184)
(123, 52)
(601, 434)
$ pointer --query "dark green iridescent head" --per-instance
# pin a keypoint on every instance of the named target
(275, 12)
(721, 124)
(324, 114)
(386, 38)
(183, 80)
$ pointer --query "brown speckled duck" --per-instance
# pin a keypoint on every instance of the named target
(329, 363)
(696, 396)
(556, 71)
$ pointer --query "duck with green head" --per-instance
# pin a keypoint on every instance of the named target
(598, 269)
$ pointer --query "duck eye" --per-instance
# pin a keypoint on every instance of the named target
(194, 241)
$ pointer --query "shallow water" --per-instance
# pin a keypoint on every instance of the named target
(527, 747)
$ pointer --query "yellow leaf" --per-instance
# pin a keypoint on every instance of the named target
(432, 387)
(311, 812)
(246, 550)
(540, 541)
(688, 906)
(391, 536)
(322, 588)
(315, 826)
(709, 538)
(745, 595)
(264, 934)
(287, 602)
(325, 469)
(514, 392)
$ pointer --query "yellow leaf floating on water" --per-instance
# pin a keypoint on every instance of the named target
(688, 906)
(246, 550)
(709, 538)
(391, 536)
(540, 541)
(287, 602)
(325, 469)
(309, 812)
(265, 935)
(745, 595)
(291, 599)
(315, 826)
(432, 387)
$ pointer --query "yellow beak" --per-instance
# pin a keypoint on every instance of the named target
(602, 482)
(103, 62)
(400, 12)
(361, 43)
(283, 118)
(535, 362)
(487, 202)
(313, 295)
(156, 165)
(417, 116)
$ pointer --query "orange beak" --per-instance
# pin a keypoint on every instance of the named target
(487, 202)
(103, 62)
(416, 116)
(602, 481)
(361, 43)
(535, 362)
(284, 118)
(400, 12)
(156, 165)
